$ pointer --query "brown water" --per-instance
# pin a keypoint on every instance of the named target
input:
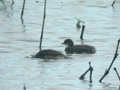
(102, 31)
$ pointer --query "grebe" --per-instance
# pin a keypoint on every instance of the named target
(49, 54)
(78, 49)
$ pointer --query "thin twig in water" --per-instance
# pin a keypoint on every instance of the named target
(114, 58)
(22, 12)
(117, 73)
(91, 70)
(82, 32)
(44, 16)
(82, 77)
(113, 3)
(24, 88)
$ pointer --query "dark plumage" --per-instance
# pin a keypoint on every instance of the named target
(49, 54)
(78, 49)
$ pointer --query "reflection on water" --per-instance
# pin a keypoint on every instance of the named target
(102, 31)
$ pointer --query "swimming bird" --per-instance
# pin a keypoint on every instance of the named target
(49, 54)
(78, 49)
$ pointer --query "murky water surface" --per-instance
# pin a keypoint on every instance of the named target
(16, 46)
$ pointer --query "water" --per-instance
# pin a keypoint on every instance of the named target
(16, 46)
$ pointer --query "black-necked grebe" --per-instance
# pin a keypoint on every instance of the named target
(78, 49)
(49, 54)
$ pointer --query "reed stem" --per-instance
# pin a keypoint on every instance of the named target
(117, 73)
(22, 12)
(24, 88)
(91, 71)
(44, 16)
(113, 3)
(114, 58)
(82, 32)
